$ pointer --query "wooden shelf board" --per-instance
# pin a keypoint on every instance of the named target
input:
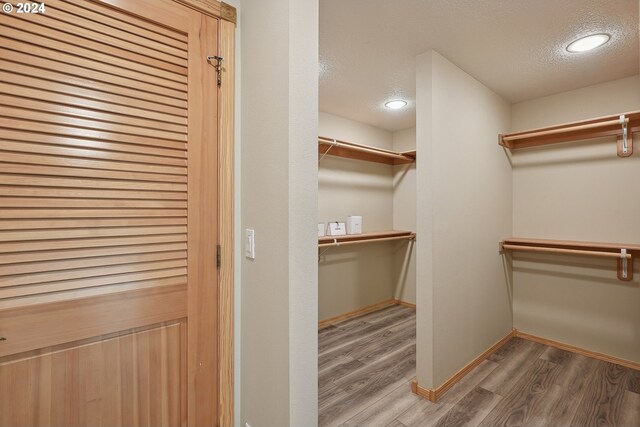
(349, 150)
(573, 131)
(572, 244)
(366, 236)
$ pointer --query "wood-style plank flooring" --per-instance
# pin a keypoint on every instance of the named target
(366, 365)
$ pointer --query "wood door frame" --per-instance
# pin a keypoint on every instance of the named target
(226, 197)
(227, 16)
(226, 108)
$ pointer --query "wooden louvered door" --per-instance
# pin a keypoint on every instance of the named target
(108, 215)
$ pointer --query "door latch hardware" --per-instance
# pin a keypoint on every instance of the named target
(217, 65)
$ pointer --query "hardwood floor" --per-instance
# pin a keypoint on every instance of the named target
(366, 366)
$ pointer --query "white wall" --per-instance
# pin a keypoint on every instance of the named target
(353, 277)
(404, 217)
(279, 161)
(464, 198)
(577, 191)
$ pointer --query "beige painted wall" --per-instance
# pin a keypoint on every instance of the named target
(577, 191)
(463, 210)
(279, 116)
(404, 218)
(356, 276)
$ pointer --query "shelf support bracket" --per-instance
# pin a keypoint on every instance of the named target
(625, 141)
(328, 149)
(625, 266)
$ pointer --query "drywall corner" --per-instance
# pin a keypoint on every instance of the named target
(424, 220)
(464, 209)
(303, 212)
(279, 287)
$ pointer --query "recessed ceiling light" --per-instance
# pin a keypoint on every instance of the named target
(395, 104)
(587, 43)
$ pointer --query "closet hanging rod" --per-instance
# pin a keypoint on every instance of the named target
(327, 140)
(621, 126)
(565, 251)
(576, 128)
(365, 149)
(350, 150)
(337, 243)
(623, 253)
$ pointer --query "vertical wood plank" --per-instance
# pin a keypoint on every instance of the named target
(226, 223)
(202, 223)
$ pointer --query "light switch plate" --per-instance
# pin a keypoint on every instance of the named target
(250, 244)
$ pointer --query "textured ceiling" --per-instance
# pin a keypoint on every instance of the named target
(515, 47)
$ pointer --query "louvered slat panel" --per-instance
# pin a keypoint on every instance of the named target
(13, 29)
(12, 292)
(155, 154)
(29, 202)
(93, 154)
(37, 224)
(26, 235)
(29, 300)
(46, 245)
(83, 273)
(26, 180)
(75, 132)
(112, 37)
(7, 213)
(62, 171)
(37, 267)
(70, 34)
(26, 147)
(71, 254)
(98, 25)
(65, 79)
(26, 191)
(108, 113)
(27, 115)
(162, 86)
(71, 162)
(120, 20)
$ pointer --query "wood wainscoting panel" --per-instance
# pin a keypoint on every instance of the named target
(130, 379)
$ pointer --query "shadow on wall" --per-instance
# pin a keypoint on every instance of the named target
(507, 266)
(598, 271)
(590, 151)
(407, 248)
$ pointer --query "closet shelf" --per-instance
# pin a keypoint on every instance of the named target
(621, 125)
(350, 150)
(622, 252)
(352, 239)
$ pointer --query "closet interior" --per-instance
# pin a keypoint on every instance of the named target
(363, 171)
(366, 285)
(504, 217)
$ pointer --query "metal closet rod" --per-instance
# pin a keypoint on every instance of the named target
(354, 242)
(364, 148)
